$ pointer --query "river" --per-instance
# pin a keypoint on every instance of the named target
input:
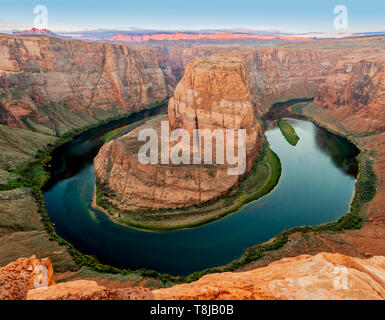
(316, 186)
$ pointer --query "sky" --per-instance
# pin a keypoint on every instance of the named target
(285, 15)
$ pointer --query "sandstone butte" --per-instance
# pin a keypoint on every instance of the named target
(323, 276)
(214, 94)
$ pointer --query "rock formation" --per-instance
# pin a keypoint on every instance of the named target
(213, 94)
(22, 275)
(322, 277)
(72, 290)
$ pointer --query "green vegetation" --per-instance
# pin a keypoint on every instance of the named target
(111, 134)
(366, 183)
(288, 132)
(261, 179)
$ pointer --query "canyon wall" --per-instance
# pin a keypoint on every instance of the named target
(354, 93)
(213, 94)
(280, 74)
(89, 79)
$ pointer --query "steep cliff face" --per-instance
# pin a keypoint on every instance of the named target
(213, 94)
(322, 277)
(280, 74)
(354, 93)
(89, 80)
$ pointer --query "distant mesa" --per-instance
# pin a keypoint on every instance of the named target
(137, 38)
(45, 32)
(145, 36)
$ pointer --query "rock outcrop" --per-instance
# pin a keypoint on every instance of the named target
(322, 277)
(72, 290)
(87, 290)
(213, 94)
(24, 274)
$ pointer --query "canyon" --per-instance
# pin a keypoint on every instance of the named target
(51, 86)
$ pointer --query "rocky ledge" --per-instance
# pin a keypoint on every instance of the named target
(323, 276)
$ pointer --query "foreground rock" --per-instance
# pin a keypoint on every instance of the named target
(87, 290)
(24, 274)
(73, 290)
(214, 94)
(321, 277)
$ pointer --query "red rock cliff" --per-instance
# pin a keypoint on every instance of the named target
(92, 80)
